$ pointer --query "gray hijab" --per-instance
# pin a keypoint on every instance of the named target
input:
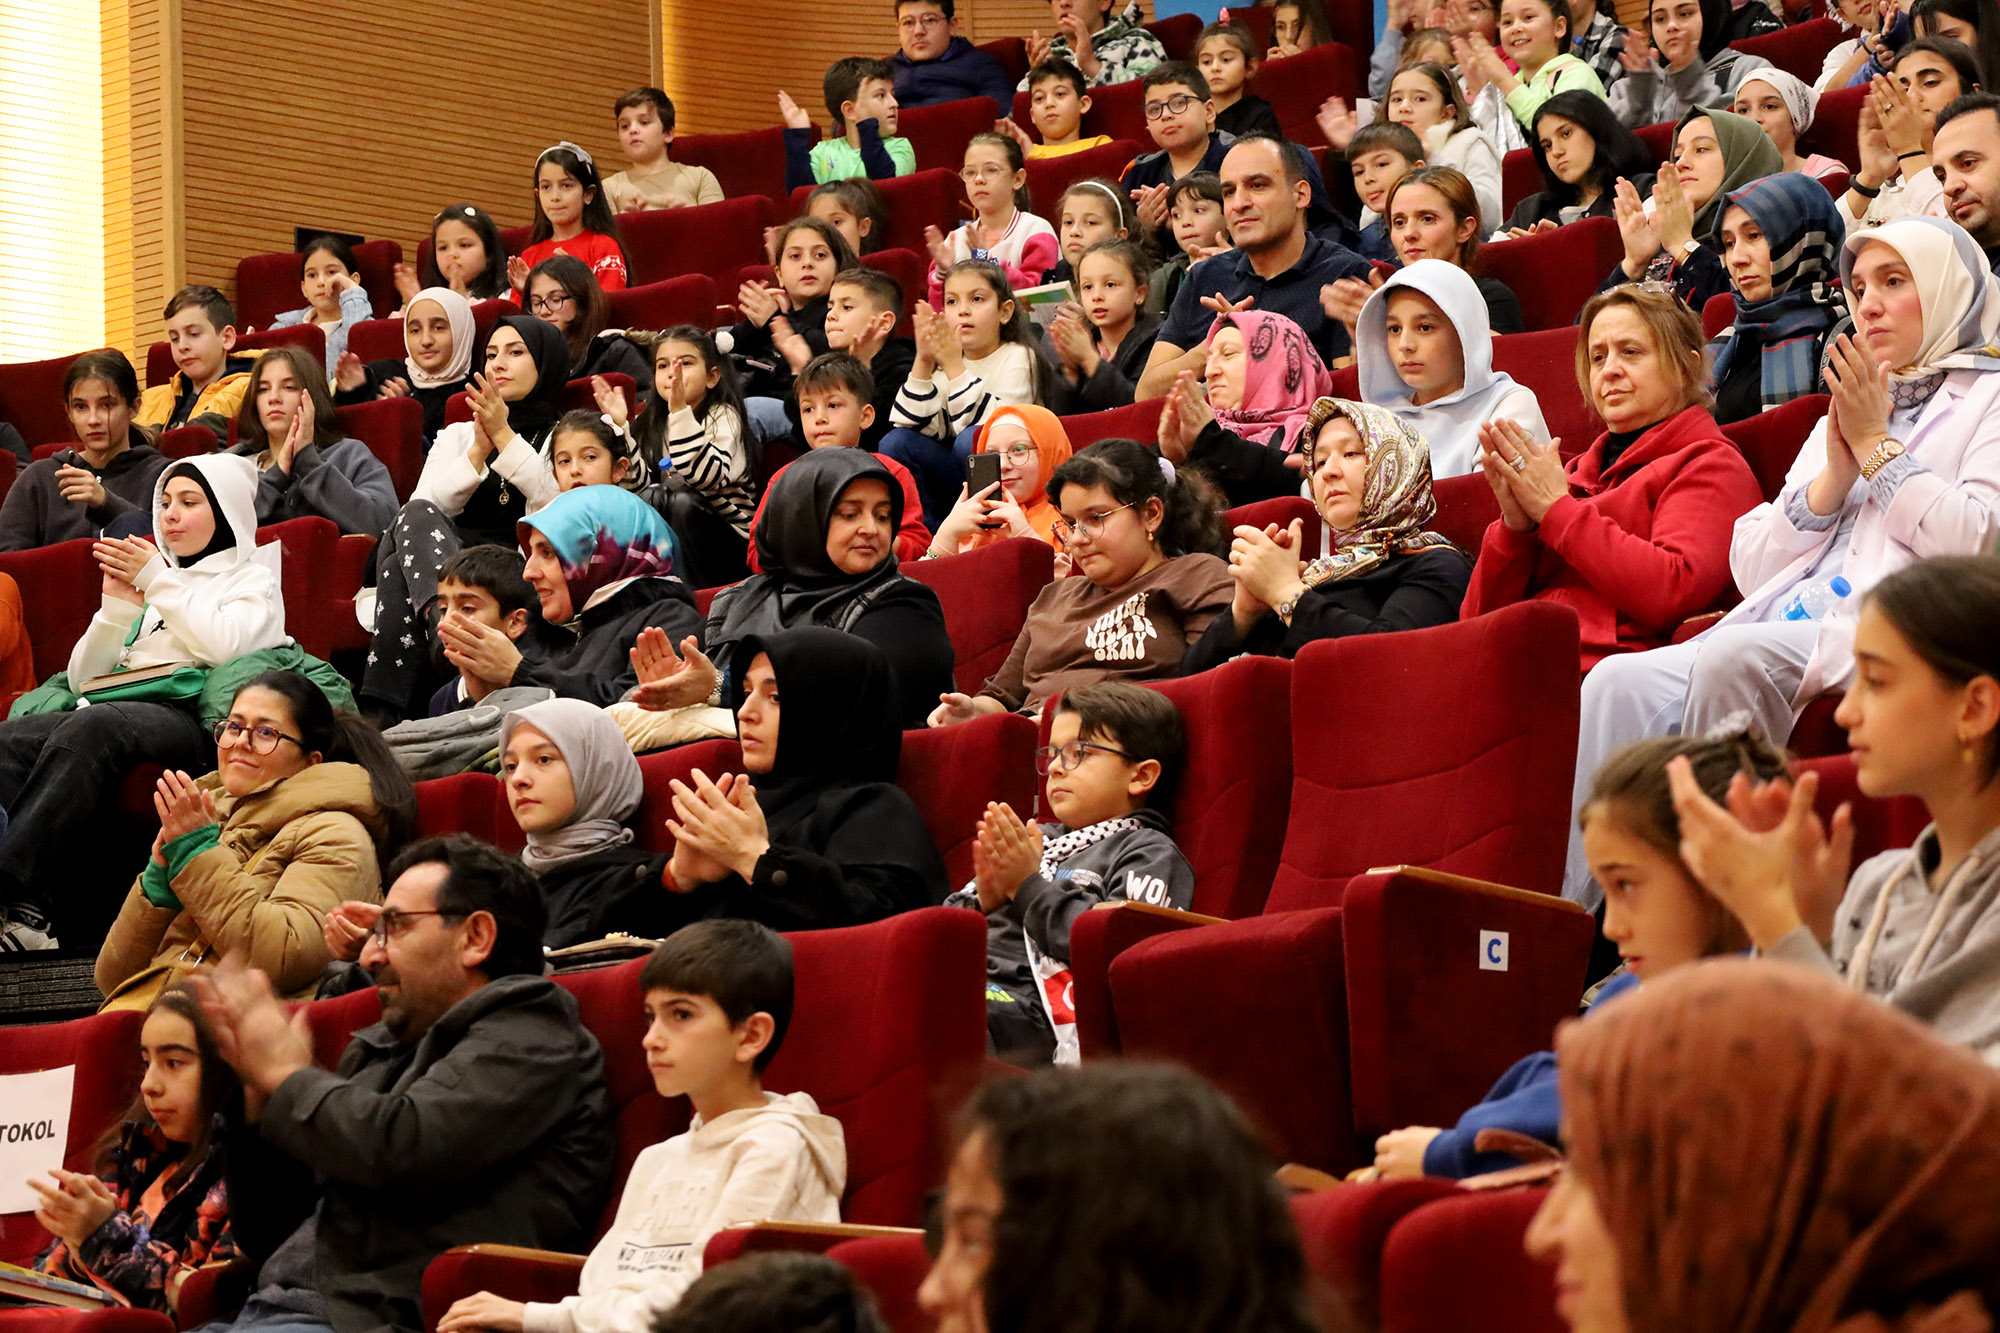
(602, 772)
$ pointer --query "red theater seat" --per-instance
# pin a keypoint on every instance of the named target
(1049, 177)
(66, 586)
(309, 546)
(1296, 85)
(516, 238)
(1519, 178)
(688, 299)
(1458, 1262)
(665, 243)
(393, 430)
(268, 285)
(1178, 34)
(1880, 825)
(1553, 273)
(1140, 421)
(1797, 49)
(1771, 440)
(1659, 141)
(1119, 110)
(1466, 508)
(31, 397)
(1344, 1230)
(1717, 314)
(160, 358)
(1012, 53)
(104, 1051)
(1836, 127)
(938, 133)
(1281, 512)
(464, 803)
(952, 772)
(892, 1267)
(1256, 18)
(10, 467)
(986, 595)
(1361, 999)
(752, 162)
(1545, 362)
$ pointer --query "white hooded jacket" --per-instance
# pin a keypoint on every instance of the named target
(1451, 423)
(222, 606)
(782, 1161)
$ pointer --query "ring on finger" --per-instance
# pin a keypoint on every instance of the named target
(1520, 462)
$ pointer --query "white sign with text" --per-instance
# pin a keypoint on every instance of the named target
(34, 1127)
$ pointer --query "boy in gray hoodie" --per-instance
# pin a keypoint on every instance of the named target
(1111, 754)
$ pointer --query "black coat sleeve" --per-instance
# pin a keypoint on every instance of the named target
(1430, 592)
(911, 633)
(1246, 472)
(270, 1192)
(598, 668)
(866, 856)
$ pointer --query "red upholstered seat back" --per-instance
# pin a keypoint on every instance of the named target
(1256, 18)
(1717, 313)
(1296, 85)
(952, 772)
(1880, 825)
(466, 803)
(1659, 141)
(1178, 34)
(377, 340)
(1466, 508)
(1012, 53)
(924, 198)
(1553, 273)
(938, 133)
(160, 358)
(1459, 1263)
(667, 242)
(104, 1051)
(1049, 177)
(1140, 421)
(1545, 362)
(31, 398)
(60, 587)
(308, 545)
(334, 1022)
(1798, 49)
(1119, 110)
(268, 285)
(393, 430)
(689, 299)
(752, 162)
(1836, 127)
(10, 467)
(1452, 747)
(1231, 801)
(1281, 511)
(1343, 1231)
(986, 595)
(656, 807)
(1519, 178)
(1771, 440)
(892, 1268)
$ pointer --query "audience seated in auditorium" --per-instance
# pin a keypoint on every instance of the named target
(1778, 238)
(561, 291)
(994, 176)
(479, 478)
(480, 1089)
(1915, 928)
(814, 832)
(464, 254)
(1112, 760)
(572, 217)
(1967, 156)
(1656, 914)
(1846, 61)
(784, 327)
(1070, 1202)
(1244, 430)
(330, 280)
(198, 595)
(438, 335)
(1426, 99)
(1143, 542)
(1426, 354)
(935, 64)
(1682, 60)
(1783, 105)
(482, 585)
(1091, 210)
(107, 475)
(306, 467)
(718, 998)
(1376, 156)
(1535, 37)
(1927, 436)
(1582, 152)
(208, 383)
(645, 119)
(1716, 153)
(861, 98)
(1194, 214)
(1371, 483)
(1634, 533)
(1105, 49)
(1103, 342)
(824, 539)
(1794, 1096)
(1277, 266)
(1058, 97)
(1031, 445)
(154, 1205)
(305, 807)
(1898, 118)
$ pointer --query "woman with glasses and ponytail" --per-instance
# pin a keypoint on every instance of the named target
(305, 806)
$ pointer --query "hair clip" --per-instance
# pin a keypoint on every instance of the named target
(1167, 469)
(577, 149)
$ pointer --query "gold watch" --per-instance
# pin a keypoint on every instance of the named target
(1884, 453)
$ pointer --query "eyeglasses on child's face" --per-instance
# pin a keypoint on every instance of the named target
(548, 305)
(1176, 105)
(921, 22)
(1089, 526)
(1067, 757)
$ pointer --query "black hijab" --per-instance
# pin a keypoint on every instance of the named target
(800, 584)
(225, 536)
(532, 416)
(840, 722)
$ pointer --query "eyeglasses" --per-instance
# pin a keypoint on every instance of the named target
(1089, 525)
(393, 923)
(1173, 106)
(975, 175)
(261, 740)
(548, 305)
(1018, 454)
(1070, 755)
(921, 22)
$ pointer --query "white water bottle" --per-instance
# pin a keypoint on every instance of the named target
(1812, 601)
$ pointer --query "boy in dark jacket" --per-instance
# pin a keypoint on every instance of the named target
(1109, 762)
(935, 64)
(482, 585)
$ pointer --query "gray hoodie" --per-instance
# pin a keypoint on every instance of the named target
(1956, 989)
(1663, 96)
(343, 481)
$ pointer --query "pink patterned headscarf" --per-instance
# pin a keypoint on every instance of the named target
(1282, 379)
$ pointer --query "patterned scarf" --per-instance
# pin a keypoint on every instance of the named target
(604, 537)
(1282, 376)
(1806, 309)
(1396, 500)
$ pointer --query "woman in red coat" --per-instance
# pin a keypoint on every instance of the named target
(1634, 534)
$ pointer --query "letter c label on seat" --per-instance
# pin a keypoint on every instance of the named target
(1492, 951)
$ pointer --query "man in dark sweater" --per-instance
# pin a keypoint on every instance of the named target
(474, 1111)
(936, 65)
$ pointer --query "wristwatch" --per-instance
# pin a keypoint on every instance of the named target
(1687, 252)
(1885, 453)
(1286, 607)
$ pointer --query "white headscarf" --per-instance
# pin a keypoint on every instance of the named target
(602, 773)
(1800, 100)
(459, 311)
(1959, 294)
(1450, 423)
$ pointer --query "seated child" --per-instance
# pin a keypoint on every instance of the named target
(1089, 211)
(108, 474)
(836, 406)
(158, 1207)
(784, 327)
(1002, 229)
(1655, 912)
(855, 208)
(1296, 25)
(329, 276)
(572, 218)
(1103, 341)
(481, 586)
(1379, 155)
(208, 383)
(306, 465)
(438, 336)
(861, 97)
(646, 133)
(862, 312)
(1180, 115)
(1227, 58)
(1057, 101)
(718, 997)
(1105, 49)
(1194, 212)
(1032, 445)
(464, 254)
(1109, 762)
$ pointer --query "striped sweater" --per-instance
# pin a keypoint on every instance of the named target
(941, 408)
(710, 454)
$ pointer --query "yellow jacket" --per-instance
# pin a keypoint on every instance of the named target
(220, 399)
(289, 855)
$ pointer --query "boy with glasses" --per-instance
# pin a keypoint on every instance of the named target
(1180, 115)
(936, 65)
(1109, 763)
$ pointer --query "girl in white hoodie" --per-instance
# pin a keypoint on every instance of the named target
(1427, 99)
(200, 594)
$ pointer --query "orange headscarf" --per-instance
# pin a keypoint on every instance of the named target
(1772, 1151)
(1046, 432)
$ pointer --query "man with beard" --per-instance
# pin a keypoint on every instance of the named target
(474, 1111)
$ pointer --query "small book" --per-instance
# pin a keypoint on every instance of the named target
(136, 676)
(613, 948)
(1044, 301)
(26, 1286)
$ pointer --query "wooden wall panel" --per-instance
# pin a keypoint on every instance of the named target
(367, 117)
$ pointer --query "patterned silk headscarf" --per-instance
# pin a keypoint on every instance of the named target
(1282, 375)
(1396, 501)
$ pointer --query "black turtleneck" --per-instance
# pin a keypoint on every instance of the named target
(1615, 444)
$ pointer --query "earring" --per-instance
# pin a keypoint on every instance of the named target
(1967, 750)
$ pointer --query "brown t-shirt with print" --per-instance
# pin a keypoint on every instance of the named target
(1079, 634)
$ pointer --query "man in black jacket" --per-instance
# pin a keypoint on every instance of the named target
(474, 1111)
